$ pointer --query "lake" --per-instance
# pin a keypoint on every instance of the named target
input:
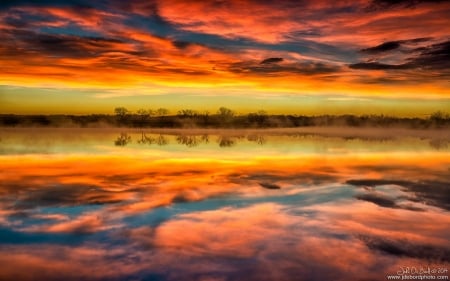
(303, 204)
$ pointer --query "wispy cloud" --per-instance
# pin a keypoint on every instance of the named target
(365, 47)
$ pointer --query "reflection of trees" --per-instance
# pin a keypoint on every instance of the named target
(192, 141)
(160, 140)
(122, 140)
(205, 138)
(122, 114)
(189, 141)
(225, 141)
(439, 144)
(145, 140)
(259, 139)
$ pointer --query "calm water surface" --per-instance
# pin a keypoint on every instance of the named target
(113, 204)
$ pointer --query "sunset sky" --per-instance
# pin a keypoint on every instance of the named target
(296, 57)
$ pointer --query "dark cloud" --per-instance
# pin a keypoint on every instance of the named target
(14, 3)
(436, 56)
(387, 46)
(181, 44)
(272, 68)
(404, 248)
(184, 71)
(390, 4)
(66, 195)
(393, 45)
(379, 199)
(432, 57)
(17, 22)
(181, 198)
(124, 178)
(28, 195)
(375, 182)
(268, 185)
(71, 45)
(23, 42)
(302, 179)
(271, 60)
(385, 201)
(149, 7)
(435, 193)
(308, 32)
(378, 66)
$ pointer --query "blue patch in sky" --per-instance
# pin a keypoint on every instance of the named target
(153, 24)
(70, 30)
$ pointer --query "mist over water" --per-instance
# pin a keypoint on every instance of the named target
(127, 204)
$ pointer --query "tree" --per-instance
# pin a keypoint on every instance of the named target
(262, 112)
(143, 116)
(142, 112)
(162, 112)
(205, 117)
(225, 112)
(260, 117)
(187, 113)
(121, 113)
(438, 118)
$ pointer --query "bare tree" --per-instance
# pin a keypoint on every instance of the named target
(162, 112)
(187, 113)
(225, 112)
(121, 113)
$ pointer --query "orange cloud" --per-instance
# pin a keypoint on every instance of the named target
(125, 56)
(276, 22)
(88, 223)
(311, 224)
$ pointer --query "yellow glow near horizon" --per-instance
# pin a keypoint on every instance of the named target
(232, 58)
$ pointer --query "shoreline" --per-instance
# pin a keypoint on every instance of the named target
(331, 131)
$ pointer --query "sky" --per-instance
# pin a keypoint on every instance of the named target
(290, 57)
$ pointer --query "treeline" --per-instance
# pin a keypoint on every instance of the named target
(223, 118)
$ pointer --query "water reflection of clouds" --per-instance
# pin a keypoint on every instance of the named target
(335, 241)
(436, 193)
(134, 185)
(222, 217)
(320, 240)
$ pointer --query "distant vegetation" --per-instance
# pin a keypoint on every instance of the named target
(223, 118)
